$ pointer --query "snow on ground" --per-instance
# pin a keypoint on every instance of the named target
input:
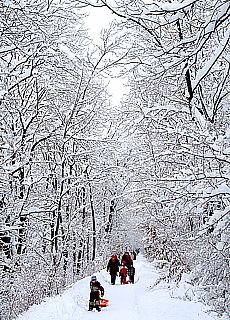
(139, 301)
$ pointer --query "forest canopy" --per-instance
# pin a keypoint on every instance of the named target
(81, 177)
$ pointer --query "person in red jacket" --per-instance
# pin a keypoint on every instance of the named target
(126, 258)
(123, 273)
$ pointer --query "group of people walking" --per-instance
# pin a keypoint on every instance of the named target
(123, 269)
(115, 268)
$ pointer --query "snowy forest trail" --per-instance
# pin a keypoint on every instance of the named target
(141, 300)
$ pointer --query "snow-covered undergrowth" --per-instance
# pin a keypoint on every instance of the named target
(148, 299)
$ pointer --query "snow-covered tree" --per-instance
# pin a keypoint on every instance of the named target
(178, 113)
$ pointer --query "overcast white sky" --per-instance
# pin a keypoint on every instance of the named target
(98, 19)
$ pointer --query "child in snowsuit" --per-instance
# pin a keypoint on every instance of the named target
(95, 289)
(131, 273)
(126, 258)
(123, 273)
(113, 268)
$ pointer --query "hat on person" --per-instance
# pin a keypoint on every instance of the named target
(93, 278)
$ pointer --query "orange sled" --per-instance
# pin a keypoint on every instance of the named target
(104, 302)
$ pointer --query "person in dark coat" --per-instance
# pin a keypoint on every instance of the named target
(131, 273)
(95, 289)
(113, 268)
(127, 260)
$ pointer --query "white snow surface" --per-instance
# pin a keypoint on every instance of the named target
(142, 300)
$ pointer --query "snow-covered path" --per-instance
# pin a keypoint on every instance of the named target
(139, 301)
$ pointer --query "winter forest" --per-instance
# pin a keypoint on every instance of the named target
(82, 177)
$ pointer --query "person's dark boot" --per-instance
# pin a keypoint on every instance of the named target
(90, 306)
